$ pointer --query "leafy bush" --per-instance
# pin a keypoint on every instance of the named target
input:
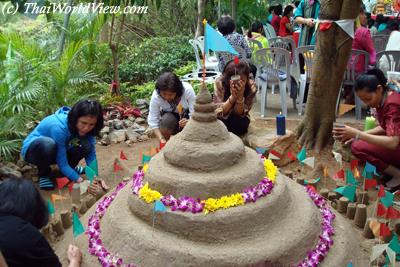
(146, 61)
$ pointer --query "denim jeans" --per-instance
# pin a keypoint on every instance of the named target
(42, 152)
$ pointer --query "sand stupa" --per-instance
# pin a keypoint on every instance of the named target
(204, 161)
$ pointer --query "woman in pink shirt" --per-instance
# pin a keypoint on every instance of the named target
(363, 41)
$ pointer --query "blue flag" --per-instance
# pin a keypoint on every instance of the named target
(159, 206)
(260, 150)
(214, 41)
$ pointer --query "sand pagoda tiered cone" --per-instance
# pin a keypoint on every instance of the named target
(204, 161)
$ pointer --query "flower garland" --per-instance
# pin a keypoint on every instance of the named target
(189, 204)
(317, 255)
(314, 257)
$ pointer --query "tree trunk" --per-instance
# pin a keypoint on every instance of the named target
(201, 10)
(234, 7)
(330, 61)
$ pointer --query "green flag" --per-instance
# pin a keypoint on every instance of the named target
(302, 154)
(90, 173)
(77, 225)
(350, 180)
(50, 207)
(145, 158)
(387, 200)
(94, 166)
(347, 191)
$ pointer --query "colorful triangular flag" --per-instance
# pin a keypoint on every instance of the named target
(311, 181)
(261, 150)
(159, 206)
(370, 183)
(90, 173)
(61, 182)
(94, 166)
(55, 197)
(339, 175)
(77, 225)
(347, 191)
(381, 210)
(122, 155)
(153, 151)
(302, 154)
(117, 167)
(344, 108)
(387, 200)
(325, 171)
(350, 178)
(370, 168)
(392, 213)
(215, 41)
(381, 192)
(377, 250)
(50, 207)
(354, 164)
(309, 162)
(384, 230)
(338, 158)
(145, 158)
(394, 244)
(291, 156)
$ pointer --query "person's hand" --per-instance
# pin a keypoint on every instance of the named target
(240, 88)
(74, 254)
(162, 140)
(345, 133)
(182, 122)
(80, 180)
(309, 22)
(234, 89)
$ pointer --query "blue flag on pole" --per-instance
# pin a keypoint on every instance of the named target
(214, 41)
(159, 206)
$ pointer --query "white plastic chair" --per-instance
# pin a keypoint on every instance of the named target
(269, 31)
(307, 52)
(211, 64)
(274, 64)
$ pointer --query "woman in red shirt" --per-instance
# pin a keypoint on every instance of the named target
(285, 27)
(379, 146)
(276, 18)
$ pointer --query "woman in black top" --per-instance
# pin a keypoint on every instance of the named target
(22, 213)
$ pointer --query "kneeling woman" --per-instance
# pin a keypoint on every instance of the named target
(379, 146)
(171, 105)
(234, 98)
(64, 138)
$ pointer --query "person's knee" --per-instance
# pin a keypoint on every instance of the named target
(357, 148)
(47, 146)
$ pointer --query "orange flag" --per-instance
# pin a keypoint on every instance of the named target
(325, 171)
(344, 108)
(61, 182)
(55, 197)
(153, 151)
(122, 155)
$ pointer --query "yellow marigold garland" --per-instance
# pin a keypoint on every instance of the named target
(211, 204)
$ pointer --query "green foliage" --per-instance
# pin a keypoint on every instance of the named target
(188, 68)
(146, 61)
(143, 91)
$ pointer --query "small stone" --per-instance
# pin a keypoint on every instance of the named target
(127, 123)
(132, 118)
(142, 107)
(144, 111)
(117, 136)
(288, 173)
(104, 131)
(128, 143)
(118, 125)
(143, 138)
(132, 135)
(140, 120)
(140, 102)
(105, 141)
